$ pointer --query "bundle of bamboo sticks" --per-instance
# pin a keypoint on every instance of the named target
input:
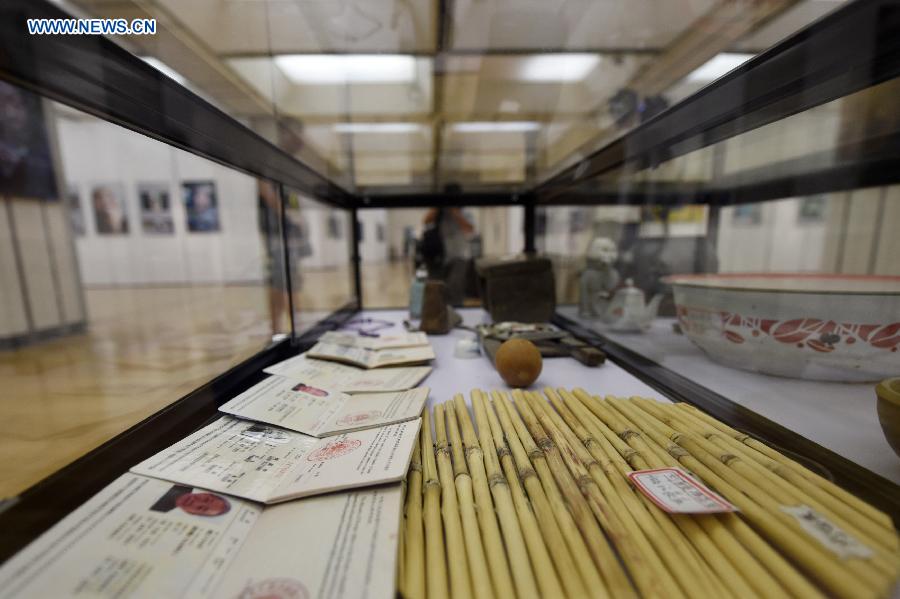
(532, 498)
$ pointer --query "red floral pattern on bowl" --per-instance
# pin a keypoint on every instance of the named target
(812, 333)
(837, 335)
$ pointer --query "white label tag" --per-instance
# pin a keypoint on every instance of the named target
(677, 492)
(826, 532)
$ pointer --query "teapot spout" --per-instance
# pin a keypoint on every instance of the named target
(653, 307)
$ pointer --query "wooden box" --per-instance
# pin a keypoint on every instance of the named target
(517, 288)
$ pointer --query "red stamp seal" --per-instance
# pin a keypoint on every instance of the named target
(335, 449)
(304, 388)
(357, 418)
(203, 504)
(275, 588)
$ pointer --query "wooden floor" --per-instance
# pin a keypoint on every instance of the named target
(143, 349)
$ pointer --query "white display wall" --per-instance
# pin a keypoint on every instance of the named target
(95, 152)
(852, 235)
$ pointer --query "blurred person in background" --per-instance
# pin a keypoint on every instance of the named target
(445, 249)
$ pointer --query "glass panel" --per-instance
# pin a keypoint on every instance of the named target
(132, 273)
(847, 135)
(796, 318)
(388, 95)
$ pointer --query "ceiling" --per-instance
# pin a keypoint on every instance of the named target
(421, 94)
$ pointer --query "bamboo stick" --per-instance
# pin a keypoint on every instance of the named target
(790, 488)
(661, 532)
(400, 571)
(414, 585)
(490, 530)
(763, 513)
(612, 419)
(769, 495)
(435, 559)
(570, 555)
(713, 540)
(760, 566)
(523, 577)
(460, 581)
(544, 572)
(738, 541)
(603, 555)
(478, 565)
(714, 567)
(644, 564)
(846, 497)
(871, 529)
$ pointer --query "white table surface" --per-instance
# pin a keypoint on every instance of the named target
(839, 416)
(453, 375)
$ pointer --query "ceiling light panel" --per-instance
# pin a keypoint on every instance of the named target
(495, 127)
(558, 68)
(378, 127)
(336, 69)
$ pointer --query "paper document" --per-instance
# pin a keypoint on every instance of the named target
(320, 411)
(337, 546)
(376, 343)
(368, 358)
(146, 538)
(271, 464)
(350, 379)
(138, 537)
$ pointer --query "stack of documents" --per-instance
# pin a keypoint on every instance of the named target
(197, 520)
(148, 538)
(350, 379)
(373, 352)
(320, 411)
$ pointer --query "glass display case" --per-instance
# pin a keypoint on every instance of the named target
(716, 186)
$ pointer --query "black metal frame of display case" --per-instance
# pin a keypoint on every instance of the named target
(95, 75)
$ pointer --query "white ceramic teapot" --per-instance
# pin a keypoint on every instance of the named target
(627, 310)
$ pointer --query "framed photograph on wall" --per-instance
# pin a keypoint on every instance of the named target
(110, 210)
(156, 208)
(335, 231)
(812, 210)
(201, 206)
(747, 214)
(73, 206)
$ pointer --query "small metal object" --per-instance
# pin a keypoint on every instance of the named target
(368, 327)
(551, 341)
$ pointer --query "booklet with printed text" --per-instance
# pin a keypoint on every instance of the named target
(271, 464)
(350, 379)
(321, 411)
(377, 343)
(370, 358)
(142, 538)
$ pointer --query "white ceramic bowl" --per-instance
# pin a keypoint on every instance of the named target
(817, 327)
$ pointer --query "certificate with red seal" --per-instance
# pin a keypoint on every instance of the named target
(350, 379)
(321, 411)
(271, 464)
(138, 537)
(143, 538)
